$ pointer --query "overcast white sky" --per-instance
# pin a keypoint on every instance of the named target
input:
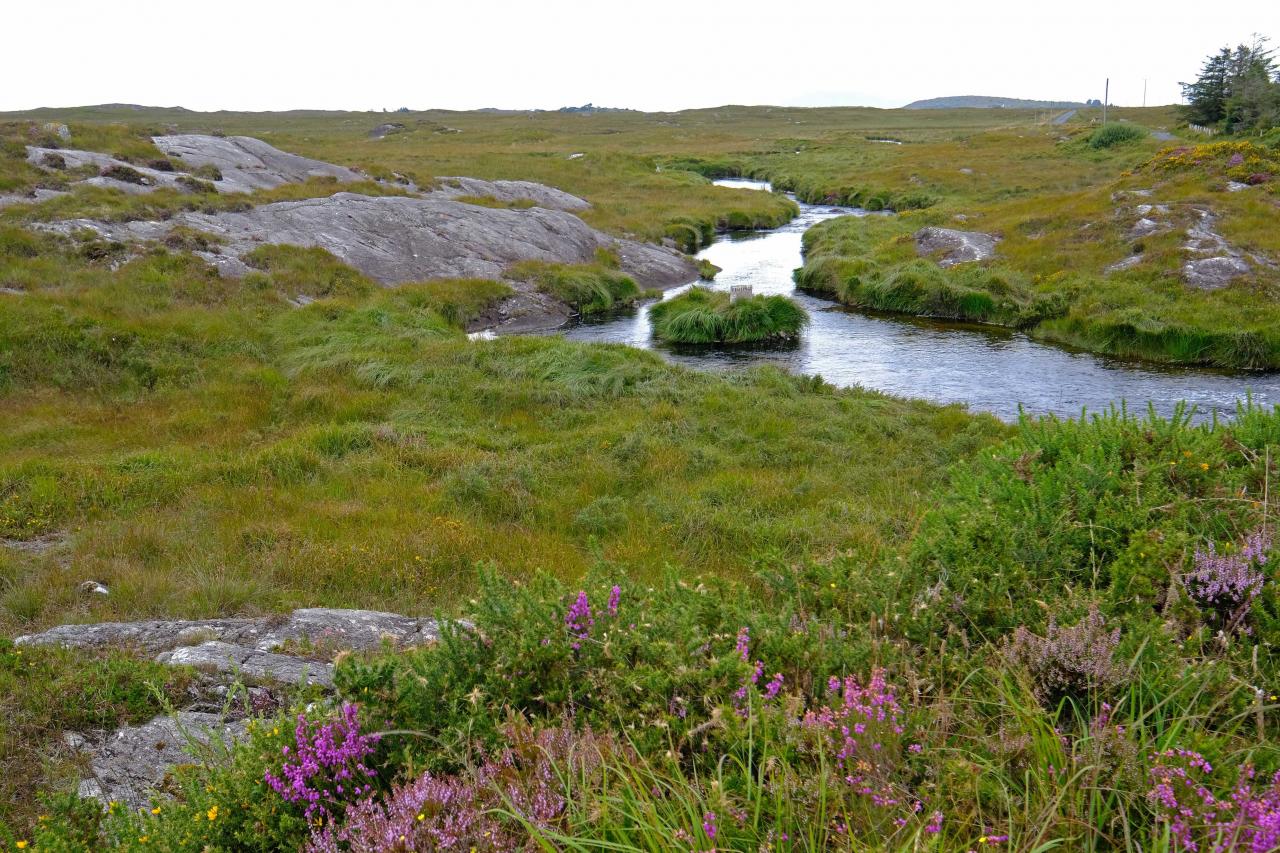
(644, 54)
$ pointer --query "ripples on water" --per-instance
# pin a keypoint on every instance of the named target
(989, 369)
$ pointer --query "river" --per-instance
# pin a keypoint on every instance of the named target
(989, 369)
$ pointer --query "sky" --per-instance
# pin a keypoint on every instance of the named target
(654, 55)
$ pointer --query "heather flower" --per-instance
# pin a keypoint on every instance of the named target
(862, 732)
(1202, 819)
(325, 769)
(464, 812)
(1073, 661)
(709, 825)
(1225, 585)
(774, 687)
(615, 596)
(579, 621)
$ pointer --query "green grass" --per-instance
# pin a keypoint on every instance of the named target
(586, 288)
(702, 316)
(212, 449)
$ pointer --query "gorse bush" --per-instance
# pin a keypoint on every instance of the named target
(702, 316)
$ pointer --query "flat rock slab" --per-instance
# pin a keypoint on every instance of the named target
(126, 765)
(357, 630)
(1213, 273)
(129, 763)
(511, 191)
(246, 163)
(74, 159)
(954, 246)
(250, 663)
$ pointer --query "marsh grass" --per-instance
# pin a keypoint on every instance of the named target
(213, 449)
(587, 288)
(703, 316)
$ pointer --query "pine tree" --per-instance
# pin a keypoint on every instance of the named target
(1235, 89)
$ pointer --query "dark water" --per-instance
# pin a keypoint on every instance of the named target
(991, 370)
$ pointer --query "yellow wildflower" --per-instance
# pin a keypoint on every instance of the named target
(212, 813)
(156, 810)
(22, 845)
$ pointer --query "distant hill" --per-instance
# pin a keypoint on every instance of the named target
(988, 102)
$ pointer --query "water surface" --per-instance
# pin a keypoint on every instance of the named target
(991, 370)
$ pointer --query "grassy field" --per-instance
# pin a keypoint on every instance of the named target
(1032, 607)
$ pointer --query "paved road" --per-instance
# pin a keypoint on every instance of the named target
(1064, 118)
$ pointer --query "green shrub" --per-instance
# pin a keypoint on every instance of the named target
(1112, 134)
(667, 654)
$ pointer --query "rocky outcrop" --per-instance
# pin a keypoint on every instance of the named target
(955, 247)
(130, 764)
(350, 629)
(246, 163)
(1213, 273)
(397, 239)
(250, 663)
(511, 191)
(1219, 262)
(384, 130)
(392, 239)
(37, 195)
(232, 164)
(272, 655)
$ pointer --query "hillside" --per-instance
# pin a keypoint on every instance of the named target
(955, 102)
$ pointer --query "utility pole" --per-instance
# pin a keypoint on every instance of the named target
(1106, 96)
(1144, 91)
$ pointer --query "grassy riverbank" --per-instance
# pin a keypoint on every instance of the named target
(1103, 269)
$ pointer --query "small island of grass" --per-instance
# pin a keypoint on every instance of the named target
(703, 316)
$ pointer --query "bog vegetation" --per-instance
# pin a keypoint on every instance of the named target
(701, 316)
(746, 611)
